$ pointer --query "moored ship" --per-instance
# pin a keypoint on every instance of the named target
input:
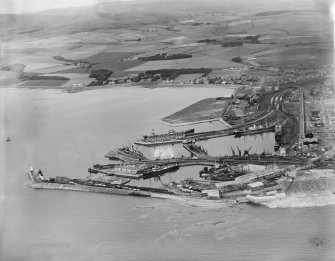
(158, 171)
(162, 139)
(133, 171)
(125, 154)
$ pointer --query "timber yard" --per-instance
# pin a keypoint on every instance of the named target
(302, 150)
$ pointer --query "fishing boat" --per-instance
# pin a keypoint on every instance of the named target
(8, 139)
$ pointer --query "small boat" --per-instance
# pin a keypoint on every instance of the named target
(268, 197)
(8, 139)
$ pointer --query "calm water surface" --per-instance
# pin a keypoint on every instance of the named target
(65, 133)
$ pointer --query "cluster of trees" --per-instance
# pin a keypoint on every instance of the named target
(40, 77)
(101, 75)
(174, 73)
(237, 59)
(240, 41)
(207, 41)
(266, 13)
(133, 40)
(252, 39)
(232, 43)
(138, 77)
(62, 59)
(75, 62)
(164, 56)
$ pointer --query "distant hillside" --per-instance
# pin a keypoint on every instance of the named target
(134, 14)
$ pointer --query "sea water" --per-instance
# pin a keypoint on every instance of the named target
(63, 134)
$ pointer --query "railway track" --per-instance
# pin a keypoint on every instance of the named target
(257, 159)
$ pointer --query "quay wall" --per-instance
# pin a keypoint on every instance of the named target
(88, 189)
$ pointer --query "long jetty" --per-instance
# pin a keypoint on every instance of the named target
(194, 137)
(209, 161)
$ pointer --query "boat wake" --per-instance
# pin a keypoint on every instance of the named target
(306, 199)
(314, 188)
(197, 202)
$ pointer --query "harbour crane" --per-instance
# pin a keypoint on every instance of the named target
(239, 151)
(246, 152)
(233, 151)
(290, 184)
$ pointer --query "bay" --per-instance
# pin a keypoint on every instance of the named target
(64, 133)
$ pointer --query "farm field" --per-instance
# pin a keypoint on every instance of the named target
(51, 69)
(76, 79)
(176, 50)
(227, 53)
(292, 39)
(117, 67)
(188, 77)
(42, 83)
(287, 60)
(108, 40)
(223, 73)
(76, 70)
(280, 57)
(194, 62)
(105, 57)
(311, 23)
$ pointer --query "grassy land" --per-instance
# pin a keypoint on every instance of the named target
(107, 57)
(206, 109)
(118, 66)
(53, 83)
(115, 40)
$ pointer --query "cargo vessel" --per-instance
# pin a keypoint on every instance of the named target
(158, 171)
(171, 137)
(125, 154)
(132, 171)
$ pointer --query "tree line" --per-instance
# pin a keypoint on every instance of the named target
(164, 56)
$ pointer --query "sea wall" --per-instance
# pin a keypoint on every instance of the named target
(84, 188)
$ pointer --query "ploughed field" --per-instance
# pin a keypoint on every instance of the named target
(115, 41)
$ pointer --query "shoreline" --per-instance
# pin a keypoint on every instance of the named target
(99, 87)
(226, 124)
(181, 199)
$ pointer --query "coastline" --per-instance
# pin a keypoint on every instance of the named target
(226, 124)
(83, 188)
(182, 199)
(99, 87)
